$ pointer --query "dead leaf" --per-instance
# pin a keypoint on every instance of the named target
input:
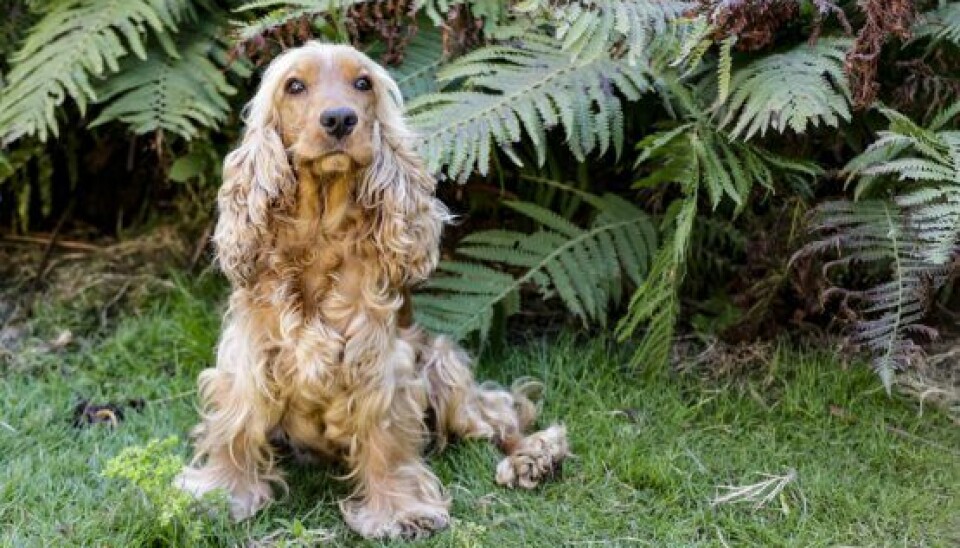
(62, 341)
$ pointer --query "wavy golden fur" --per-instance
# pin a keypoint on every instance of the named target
(327, 217)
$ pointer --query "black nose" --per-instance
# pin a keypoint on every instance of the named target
(339, 122)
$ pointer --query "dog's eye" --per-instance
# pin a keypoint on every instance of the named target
(295, 86)
(363, 84)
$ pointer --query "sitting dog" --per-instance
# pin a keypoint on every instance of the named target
(326, 218)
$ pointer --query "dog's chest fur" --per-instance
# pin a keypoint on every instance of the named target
(330, 290)
(327, 258)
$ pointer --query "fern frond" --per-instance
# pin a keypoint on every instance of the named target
(246, 31)
(508, 91)
(175, 93)
(656, 302)
(697, 155)
(917, 234)
(590, 27)
(693, 42)
(422, 58)
(877, 231)
(792, 90)
(583, 267)
(940, 24)
(73, 42)
(283, 12)
(929, 161)
(725, 68)
(492, 12)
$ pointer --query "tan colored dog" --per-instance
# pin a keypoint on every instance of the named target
(327, 217)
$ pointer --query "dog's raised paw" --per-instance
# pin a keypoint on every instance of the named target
(537, 458)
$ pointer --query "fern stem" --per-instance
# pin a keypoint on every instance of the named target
(900, 289)
(586, 196)
(419, 72)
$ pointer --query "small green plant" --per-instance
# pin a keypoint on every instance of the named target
(467, 534)
(293, 533)
(151, 469)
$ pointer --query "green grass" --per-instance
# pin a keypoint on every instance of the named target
(651, 452)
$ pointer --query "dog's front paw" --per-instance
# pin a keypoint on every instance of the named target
(408, 524)
(245, 498)
(537, 458)
(417, 526)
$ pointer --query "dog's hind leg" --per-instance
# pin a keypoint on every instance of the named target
(468, 410)
(232, 448)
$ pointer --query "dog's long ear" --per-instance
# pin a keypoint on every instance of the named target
(400, 191)
(257, 180)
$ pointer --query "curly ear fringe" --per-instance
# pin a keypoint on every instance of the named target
(409, 218)
(257, 179)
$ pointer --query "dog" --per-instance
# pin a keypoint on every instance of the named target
(327, 218)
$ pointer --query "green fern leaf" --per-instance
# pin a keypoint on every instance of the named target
(564, 286)
(508, 91)
(940, 24)
(654, 303)
(697, 154)
(934, 172)
(545, 217)
(725, 68)
(422, 58)
(871, 231)
(917, 235)
(584, 267)
(589, 28)
(73, 42)
(284, 12)
(793, 90)
(175, 93)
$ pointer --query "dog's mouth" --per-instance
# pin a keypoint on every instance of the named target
(325, 158)
(335, 161)
(328, 157)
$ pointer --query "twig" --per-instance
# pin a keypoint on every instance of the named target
(913, 437)
(66, 244)
(53, 240)
(201, 246)
(8, 427)
(723, 541)
(696, 460)
(761, 492)
(116, 298)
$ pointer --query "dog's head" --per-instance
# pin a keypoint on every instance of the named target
(326, 104)
(330, 111)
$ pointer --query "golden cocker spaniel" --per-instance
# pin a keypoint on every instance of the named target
(326, 218)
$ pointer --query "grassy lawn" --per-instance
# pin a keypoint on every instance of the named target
(652, 453)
